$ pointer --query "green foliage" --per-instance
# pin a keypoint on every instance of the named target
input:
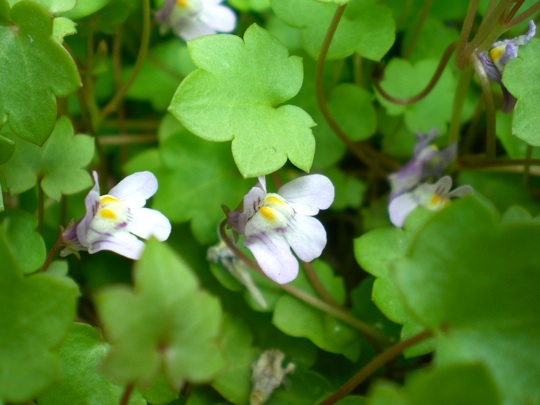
(36, 313)
(57, 165)
(32, 63)
(521, 77)
(367, 27)
(241, 86)
(481, 303)
(184, 322)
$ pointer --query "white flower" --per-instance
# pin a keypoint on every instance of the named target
(112, 220)
(273, 223)
(194, 18)
(431, 196)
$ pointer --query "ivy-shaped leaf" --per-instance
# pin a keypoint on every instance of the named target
(236, 94)
(166, 323)
(296, 318)
(21, 247)
(80, 382)
(473, 282)
(366, 27)
(54, 6)
(36, 313)
(58, 163)
(521, 77)
(35, 70)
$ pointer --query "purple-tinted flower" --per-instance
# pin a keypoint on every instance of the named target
(498, 56)
(431, 196)
(194, 18)
(113, 221)
(428, 162)
(273, 223)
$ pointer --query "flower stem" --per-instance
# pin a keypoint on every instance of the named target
(124, 400)
(374, 364)
(461, 58)
(465, 77)
(417, 28)
(52, 253)
(339, 313)
(357, 150)
(141, 56)
(524, 16)
(434, 79)
(317, 285)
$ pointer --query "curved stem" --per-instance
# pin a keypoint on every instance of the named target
(317, 285)
(434, 79)
(321, 101)
(369, 332)
(491, 145)
(145, 39)
(417, 28)
(374, 364)
(124, 400)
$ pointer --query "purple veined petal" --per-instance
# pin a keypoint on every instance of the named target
(306, 236)
(510, 52)
(135, 189)
(218, 17)
(492, 71)
(274, 256)
(424, 141)
(308, 194)
(400, 208)
(123, 243)
(251, 203)
(191, 29)
(405, 179)
(460, 191)
(509, 101)
(146, 222)
(91, 202)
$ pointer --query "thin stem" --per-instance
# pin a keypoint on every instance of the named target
(418, 28)
(491, 145)
(319, 92)
(461, 59)
(527, 14)
(338, 313)
(52, 252)
(374, 364)
(317, 285)
(465, 77)
(434, 79)
(145, 39)
(487, 29)
(126, 139)
(513, 11)
(124, 400)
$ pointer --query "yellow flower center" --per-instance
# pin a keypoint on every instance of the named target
(275, 210)
(182, 3)
(496, 53)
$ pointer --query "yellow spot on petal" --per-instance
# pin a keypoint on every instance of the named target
(107, 199)
(436, 199)
(107, 213)
(496, 53)
(267, 213)
(274, 200)
(182, 3)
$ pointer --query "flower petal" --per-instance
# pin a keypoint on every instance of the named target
(460, 191)
(306, 236)
(400, 208)
(218, 17)
(135, 189)
(146, 222)
(308, 194)
(274, 256)
(124, 243)
(251, 203)
(91, 202)
(191, 29)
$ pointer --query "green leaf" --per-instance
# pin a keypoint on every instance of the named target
(296, 318)
(63, 27)
(165, 67)
(36, 313)
(7, 147)
(474, 283)
(80, 355)
(58, 163)
(207, 175)
(366, 27)
(54, 6)
(35, 64)
(514, 147)
(242, 85)
(21, 247)
(402, 80)
(247, 5)
(521, 76)
(467, 384)
(85, 8)
(165, 324)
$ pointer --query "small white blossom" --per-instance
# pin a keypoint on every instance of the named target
(273, 223)
(431, 196)
(113, 221)
(191, 19)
